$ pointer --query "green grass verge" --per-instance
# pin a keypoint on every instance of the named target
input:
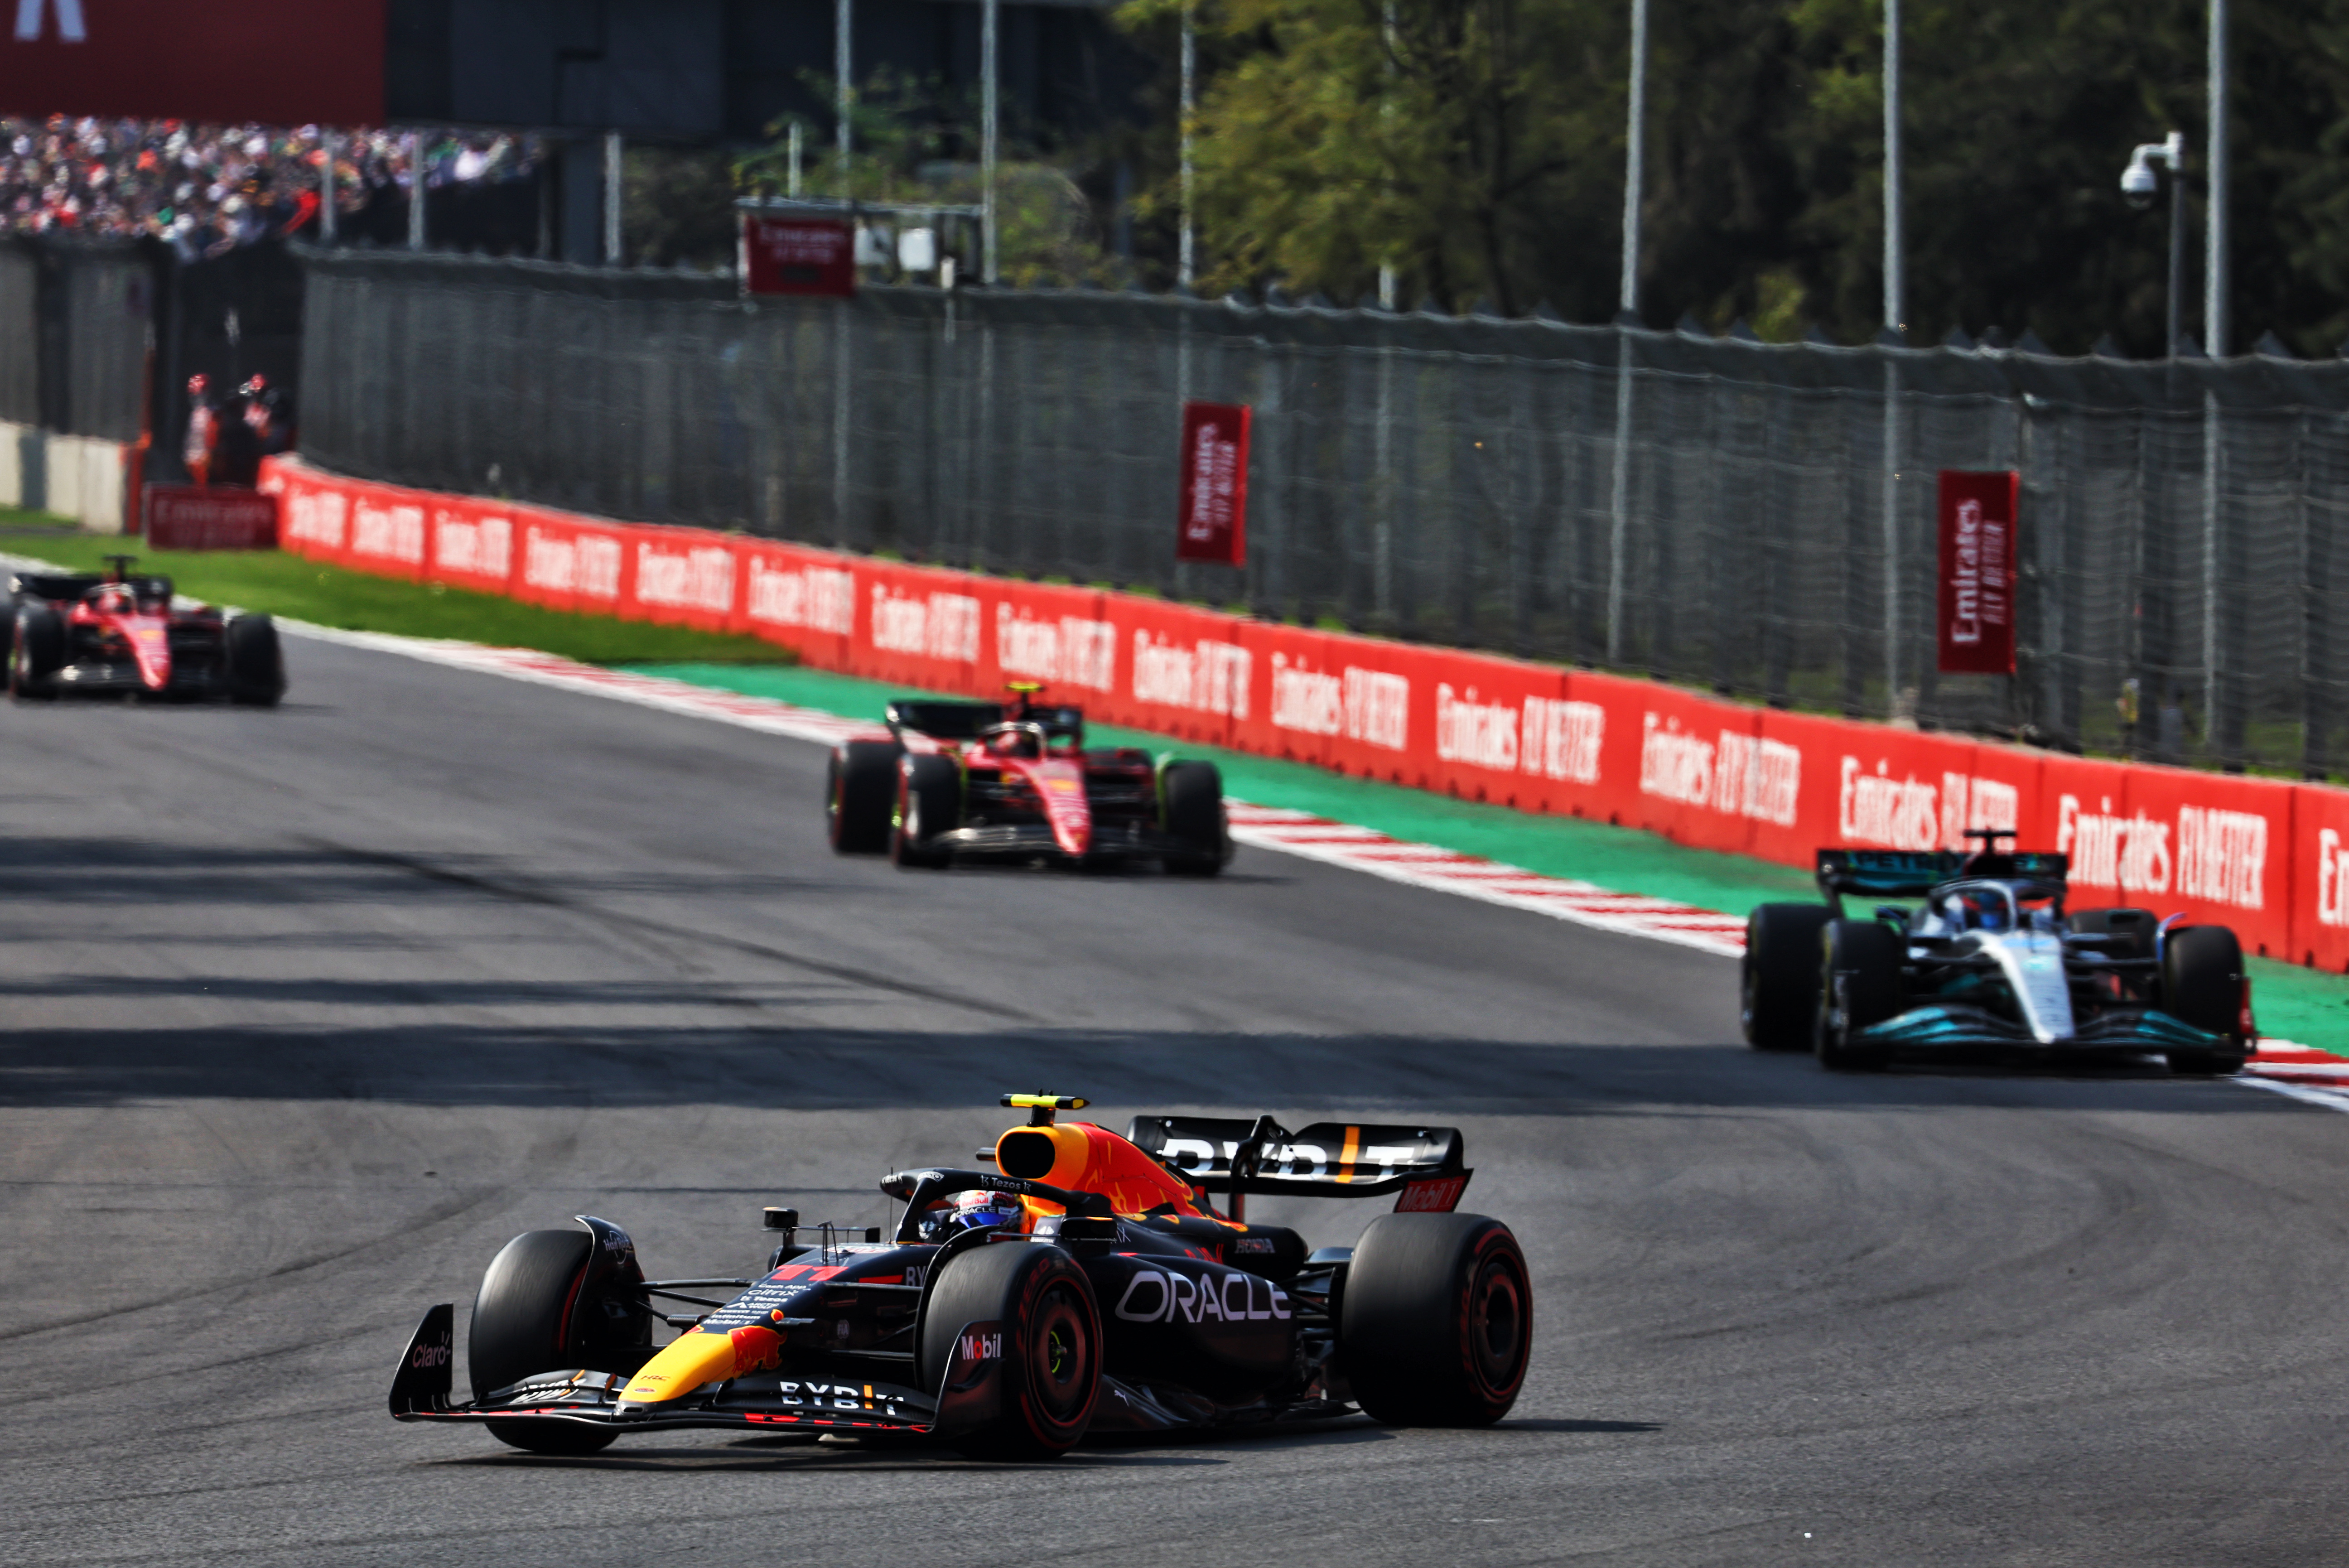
(356, 601)
(2294, 1003)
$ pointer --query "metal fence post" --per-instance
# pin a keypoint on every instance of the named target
(842, 338)
(1619, 507)
(1892, 534)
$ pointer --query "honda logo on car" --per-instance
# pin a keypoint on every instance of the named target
(1197, 1300)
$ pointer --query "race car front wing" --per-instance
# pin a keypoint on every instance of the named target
(967, 1395)
(1948, 1024)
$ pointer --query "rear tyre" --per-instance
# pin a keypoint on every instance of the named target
(1437, 1325)
(1860, 985)
(256, 664)
(523, 1325)
(929, 802)
(37, 651)
(2202, 986)
(1191, 801)
(1051, 1370)
(1778, 989)
(859, 793)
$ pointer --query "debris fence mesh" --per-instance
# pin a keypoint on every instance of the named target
(1757, 519)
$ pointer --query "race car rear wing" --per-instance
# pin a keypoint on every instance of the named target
(1913, 873)
(1427, 1164)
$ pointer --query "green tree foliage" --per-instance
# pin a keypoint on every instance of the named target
(1477, 145)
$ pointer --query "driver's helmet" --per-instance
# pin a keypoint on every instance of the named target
(974, 1211)
(1981, 909)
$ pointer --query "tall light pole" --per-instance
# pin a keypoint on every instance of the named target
(1627, 308)
(843, 65)
(1895, 306)
(1895, 324)
(2214, 283)
(988, 29)
(1185, 257)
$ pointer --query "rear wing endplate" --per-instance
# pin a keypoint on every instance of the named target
(1427, 1164)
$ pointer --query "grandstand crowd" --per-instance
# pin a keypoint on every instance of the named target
(206, 188)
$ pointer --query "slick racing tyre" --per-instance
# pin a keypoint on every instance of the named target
(37, 651)
(1191, 802)
(929, 802)
(1860, 985)
(529, 1318)
(1778, 983)
(1050, 1366)
(859, 793)
(1437, 1323)
(256, 664)
(2202, 986)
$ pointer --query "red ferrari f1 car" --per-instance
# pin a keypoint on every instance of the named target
(1083, 1282)
(1015, 781)
(120, 633)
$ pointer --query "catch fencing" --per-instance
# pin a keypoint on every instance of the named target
(1756, 519)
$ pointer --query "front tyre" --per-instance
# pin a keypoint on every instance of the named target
(1779, 982)
(1191, 805)
(2202, 986)
(1050, 1371)
(256, 663)
(859, 793)
(929, 802)
(37, 651)
(1860, 985)
(528, 1319)
(1437, 1326)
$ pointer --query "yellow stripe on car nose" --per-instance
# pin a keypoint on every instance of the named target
(684, 1365)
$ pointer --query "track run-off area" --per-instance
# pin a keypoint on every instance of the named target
(310, 1010)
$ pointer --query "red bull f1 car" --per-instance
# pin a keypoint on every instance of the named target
(1083, 1282)
(1015, 781)
(75, 633)
(1987, 958)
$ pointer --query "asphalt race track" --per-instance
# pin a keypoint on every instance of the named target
(308, 1011)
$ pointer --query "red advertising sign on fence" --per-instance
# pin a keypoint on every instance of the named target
(213, 517)
(799, 255)
(1215, 484)
(1978, 557)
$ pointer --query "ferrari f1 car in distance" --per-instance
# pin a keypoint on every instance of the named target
(1085, 1284)
(120, 633)
(1015, 781)
(1989, 959)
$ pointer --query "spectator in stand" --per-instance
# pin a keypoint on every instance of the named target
(207, 188)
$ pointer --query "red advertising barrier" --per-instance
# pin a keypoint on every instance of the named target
(209, 517)
(2269, 858)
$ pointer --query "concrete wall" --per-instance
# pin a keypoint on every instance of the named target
(79, 477)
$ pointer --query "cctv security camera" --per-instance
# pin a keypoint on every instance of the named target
(2139, 183)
